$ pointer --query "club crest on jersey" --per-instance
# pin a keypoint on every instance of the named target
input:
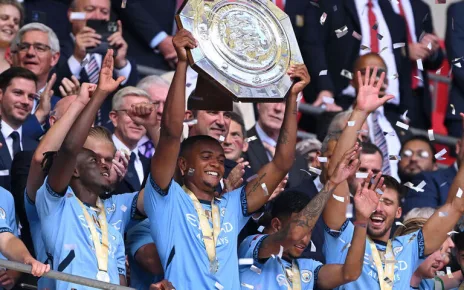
(306, 276)
(2, 214)
(397, 250)
(223, 211)
(111, 209)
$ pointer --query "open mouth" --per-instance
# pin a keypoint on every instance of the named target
(300, 247)
(105, 174)
(8, 31)
(212, 173)
(377, 221)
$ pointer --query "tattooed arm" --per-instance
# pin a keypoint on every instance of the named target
(301, 223)
(259, 190)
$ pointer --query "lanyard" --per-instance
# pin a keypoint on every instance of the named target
(296, 278)
(101, 249)
(385, 277)
(209, 235)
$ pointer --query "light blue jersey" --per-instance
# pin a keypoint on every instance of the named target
(137, 237)
(176, 232)
(68, 239)
(7, 214)
(272, 274)
(408, 251)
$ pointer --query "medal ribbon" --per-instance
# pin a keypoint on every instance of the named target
(389, 267)
(209, 235)
(296, 278)
(101, 249)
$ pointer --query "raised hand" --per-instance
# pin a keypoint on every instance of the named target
(279, 189)
(182, 41)
(163, 285)
(144, 114)
(368, 99)
(235, 178)
(45, 106)
(106, 82)
(347, 165)
(85, 93)
(298, 73)
(69, 87)
(119, 167)
(366, 198)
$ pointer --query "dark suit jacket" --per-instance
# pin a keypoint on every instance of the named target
(328, 52)
(131, 182)
(32, 127)
(142, 21)
(455, 49)
(5, 158)
(435, 191)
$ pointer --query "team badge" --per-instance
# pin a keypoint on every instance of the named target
(223, 211)
(306, 276)
(111, 209)
(397, 250)
(2, 214)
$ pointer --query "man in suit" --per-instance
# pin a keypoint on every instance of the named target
(455, 50)
(86, 66)
(37, 48)
(424, 45)
(417, 156)
(18, 89)
(150, 34)
(359, 27)
(126, 137)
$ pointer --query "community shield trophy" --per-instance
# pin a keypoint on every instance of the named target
(245, 48)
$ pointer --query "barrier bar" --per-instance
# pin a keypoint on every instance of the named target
(63, 276)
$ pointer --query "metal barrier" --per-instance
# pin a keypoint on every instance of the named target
(63, 276)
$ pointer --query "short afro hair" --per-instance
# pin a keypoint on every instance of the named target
(289, 202)
(188, 143)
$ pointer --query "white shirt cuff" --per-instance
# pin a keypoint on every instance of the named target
(158, 39)
(125, 72)
(74, 66)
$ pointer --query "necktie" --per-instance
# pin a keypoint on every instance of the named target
(147, 149)
(414, 69)
(372, 24)
(280, 4)
(131, 172)
(179, 3)
(16, 142)
(93, 70)
(381, 142)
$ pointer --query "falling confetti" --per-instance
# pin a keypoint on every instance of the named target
(245, 261)
(323, 18)
(379, 191)
(349, 211)
(420, 66)
(335, 8)
(418, 188)
(77, 16)
(313, 247)
(347, 74)
(327, 100)
(439, 155)
(323, 72)
(375, 26)
(322, 159)
(261, 229)
(383, 49)
(191, 171)
(402, 125)
(221, 138)
(264, 187)
(339, 198)
(400, 224)
(364, 47)
(251, 178)
(351, 123)
(341, 31)
(453, 110)
(250, 139)
(431, 136)
(315, 170)
(281, 251)
(219, 286)
(442, 214)
(357, 35)
(398, 45)
(438, 71)
(247, 286)
(459, 193)
(451, 233)
(123, 4)
(191, 122)
(361, 174)
(394, 157)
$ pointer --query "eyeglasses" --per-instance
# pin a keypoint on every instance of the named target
(420, 153)
(38, 47)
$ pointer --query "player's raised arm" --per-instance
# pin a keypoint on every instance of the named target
(64, 163)
(302, 223)
(164, 161)
(260, 189)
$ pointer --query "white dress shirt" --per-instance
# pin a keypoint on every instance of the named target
(265, 138)
(393, 142)
(138, 163)
(387, 54)
(6, 132)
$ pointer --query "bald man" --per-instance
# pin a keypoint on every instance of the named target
(60, 108)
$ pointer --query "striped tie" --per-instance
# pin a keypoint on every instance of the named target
(381, 142)
(93, 70)
(147, 149)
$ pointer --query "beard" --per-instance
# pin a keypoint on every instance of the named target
(404, 176)
(378, 234)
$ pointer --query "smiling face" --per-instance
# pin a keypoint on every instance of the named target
(416, 156)
(382, 219)
(235, 143)
(17, 101)
(10, 17)
(212, 123)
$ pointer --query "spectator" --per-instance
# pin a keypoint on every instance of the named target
(310, 149)
(37, 49)
(235, 144)
(454, 51)
(417, 156)
(127, 135)
(157, 88)
(381, 131)
(340, 121)
(11, 18)
(424, 47)
(18, 90)
(370, 161)
(150, 33)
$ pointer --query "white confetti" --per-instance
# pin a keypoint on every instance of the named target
(459, 193)
(357, 35)
(327, 100)
(264, 187)
(402, 125)
(439, 155)
(457, 64)
(429, 46)
(300, 96)
(248, 286)
(251, 178)
(123, 208)
(323, 72)
(218, 286)
(442, 214)
(431, 136)
(191, 171)
(191, 122)
(449, 273)
(411, 186)
(361, 174)
(451, 233)
(255, 269)
(421, 184)
(341, 31)
(245, 261)
(261, 229)
(398, 45)
(256, 218)
(339, 198)
(322, 159)
(420, 66)
(438, 71)
(440, 273)
(222, 138)
(347, 74)
(315, 170)
(323, 18)
(313, 247)
(123, 4)
(77, 16)
(281, 252)
(252, 138)
(399, 224)
(404, 117)
(417, 77)
(346, 246)
(379, 191)
(453, 110)
(349, 211)
(395, 76)
(351, 123)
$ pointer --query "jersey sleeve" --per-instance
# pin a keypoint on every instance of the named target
(249, 248)
(47, 201)
(4, 228)
(337, 243)
(7, 210)
(138, 237)
(157, 198)
(239, 202)
(121, 257)
(414, 244)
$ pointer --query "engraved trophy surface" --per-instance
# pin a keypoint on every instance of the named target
(245, 47)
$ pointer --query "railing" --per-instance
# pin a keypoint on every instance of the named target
(63, 276)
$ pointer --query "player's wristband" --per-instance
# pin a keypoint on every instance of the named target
(360, 224)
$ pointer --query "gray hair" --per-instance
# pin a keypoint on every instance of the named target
(52, 38)
(422, 212)
(330, 136)
(117, 101)
(339, 121)
(152, 81)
